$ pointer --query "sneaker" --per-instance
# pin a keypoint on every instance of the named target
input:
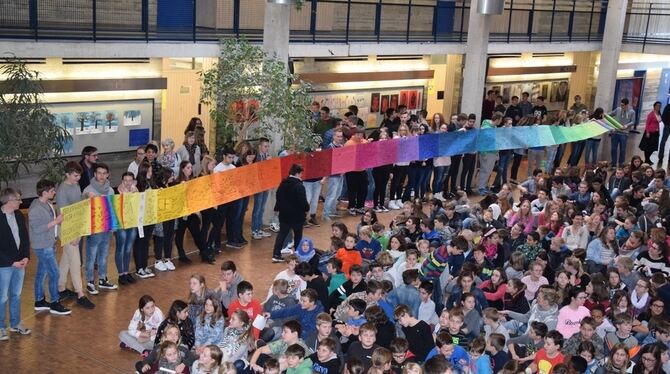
(256, 235)
(235, 245)
(3, 335)
(169, 265)
(352, 211)
(106, 285)
(335, 215)
(314, 222)
(130, 279)
(392, 205)
(287, 250)
(90, 288)
(160, 266)
(20, 329)
(142, 274)
(149, 273)
(67, 294)
(85, 303)
(360, 210)
(276, 260)
(59, 309)
(384, 209)
(123, 345)
(186, 260)
(274, 227)
(378, 209)
(264, 234)
(122, 280)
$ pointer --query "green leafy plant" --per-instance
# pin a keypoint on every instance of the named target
(251, 92)
(29, 136)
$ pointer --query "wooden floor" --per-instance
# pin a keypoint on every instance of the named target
(87, 340)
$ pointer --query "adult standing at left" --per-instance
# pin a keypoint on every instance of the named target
(14, 257)
(652, 128)
(625, 115)
(292, 205)
(665, 117)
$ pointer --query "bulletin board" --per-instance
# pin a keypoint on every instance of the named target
(372, 103)
(110, 126)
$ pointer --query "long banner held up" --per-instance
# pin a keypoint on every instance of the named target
(103, 214)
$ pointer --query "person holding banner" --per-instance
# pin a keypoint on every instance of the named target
(625, 115)
(97, 245)
(291, 205)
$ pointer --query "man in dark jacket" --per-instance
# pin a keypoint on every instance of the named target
(89, 157)
(14, 257)
(292, 205)
(665, 117)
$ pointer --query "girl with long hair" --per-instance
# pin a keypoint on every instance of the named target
(143, 326)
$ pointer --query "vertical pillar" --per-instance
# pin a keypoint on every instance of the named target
(609, 57)
(276, 33)
(277, 28)
(476, 53)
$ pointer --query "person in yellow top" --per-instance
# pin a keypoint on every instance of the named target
(357, 181)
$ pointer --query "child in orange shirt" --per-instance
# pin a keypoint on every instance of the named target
(246, 302)
(349, 255)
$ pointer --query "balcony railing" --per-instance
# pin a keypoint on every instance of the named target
(323, 21)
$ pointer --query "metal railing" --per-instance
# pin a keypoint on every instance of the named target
(323, 21)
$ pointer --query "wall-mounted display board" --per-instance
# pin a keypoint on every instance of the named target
(371, 102)
(111, 126)
(556, 92)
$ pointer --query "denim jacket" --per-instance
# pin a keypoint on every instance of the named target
(205, 334)
(408, 295)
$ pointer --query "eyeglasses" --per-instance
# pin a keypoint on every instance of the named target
(657, 305)
(647, 359)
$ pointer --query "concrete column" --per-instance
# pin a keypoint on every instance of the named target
(476, 53)
(609, 57)
(276, 29)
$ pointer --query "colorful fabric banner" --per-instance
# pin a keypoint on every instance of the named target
(100, 214)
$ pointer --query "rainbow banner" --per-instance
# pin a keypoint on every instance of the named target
(109, 213)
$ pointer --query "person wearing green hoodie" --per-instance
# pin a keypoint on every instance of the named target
(296, 361)
(487, 159)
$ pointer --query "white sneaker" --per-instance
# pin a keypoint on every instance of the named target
(257, 235)
(160, 266)
(149, 273)
(142, 274)
(264, 234)
(288, 249)
(438, 196)
(169, 265)
(392, 205)
(274, 227)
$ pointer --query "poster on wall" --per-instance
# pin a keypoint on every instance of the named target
(403, 97)
(385, 104)
(631, 89)
(374, 102)
(100, 123)
(555, 92)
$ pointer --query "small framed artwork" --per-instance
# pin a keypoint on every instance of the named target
(385, 104)
(374, 102)
(394, 101)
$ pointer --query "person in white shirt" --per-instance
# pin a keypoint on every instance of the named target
(226, 211)
(135, 164)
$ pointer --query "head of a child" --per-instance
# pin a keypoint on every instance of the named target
(412, 258)
(538, 330)
(491, 316)
(325, 349)
(496, 343)
(197, 285)
(178, 312)
(308, 299)
(377, 270)
(147, 307)
(228, 271)
(245, 292)
(410, 277)
(291, 331)
(295, 354)
(212, 309)
(356, 308)
(324, 324)
(305, 271)
(423, 246)
(291, 262)
(468, 302)
(355, 274)
(350, 242)
(553, 342)
(455, 320)
(444, 319)
(280, 288)
(334, 266)
(271, 366)
(587, 328)
(598, 314)
(624, 265)
(445, 344)
(586, 350)
(365, 233)
(458, 245)
(663, 331)
(171, 333)
(381, 359)
(354, 366)
(403, 315)
(374, 291)
(476, 348)
(210, 357)
(426, 290)
(399, 348)
(629, 222)
(169, 352)
(367, 335)
(533, 238)
(427, 225)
